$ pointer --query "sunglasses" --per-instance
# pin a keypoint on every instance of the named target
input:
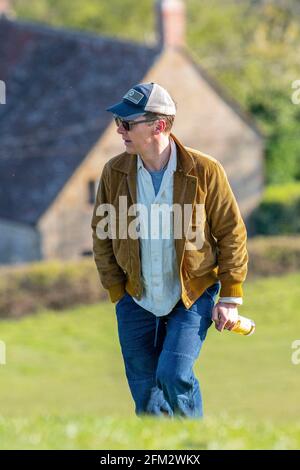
(128, 125)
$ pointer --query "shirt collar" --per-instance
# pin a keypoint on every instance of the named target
(171, 167)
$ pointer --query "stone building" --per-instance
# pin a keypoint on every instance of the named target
(56, 135)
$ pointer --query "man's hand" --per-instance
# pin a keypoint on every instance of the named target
(225, 316)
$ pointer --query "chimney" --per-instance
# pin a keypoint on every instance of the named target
(171, 23)
(6, 8)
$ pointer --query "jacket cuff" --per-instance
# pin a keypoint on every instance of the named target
(228, 289)
(116, 291)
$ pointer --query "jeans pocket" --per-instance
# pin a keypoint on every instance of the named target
(121, 299)
(212, 291)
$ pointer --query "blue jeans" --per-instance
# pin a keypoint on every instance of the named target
(159, 354)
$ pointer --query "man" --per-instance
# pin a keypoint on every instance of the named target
(166, 286)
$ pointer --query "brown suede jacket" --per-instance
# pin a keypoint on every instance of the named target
(198, 179)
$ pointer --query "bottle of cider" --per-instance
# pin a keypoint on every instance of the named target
(244, 326)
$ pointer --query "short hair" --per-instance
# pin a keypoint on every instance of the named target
(169, 119)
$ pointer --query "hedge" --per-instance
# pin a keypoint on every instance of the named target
(58, 285)
(278, 212)
(271, 256)
(48, 284)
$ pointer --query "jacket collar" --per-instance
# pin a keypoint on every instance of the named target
(127, 163)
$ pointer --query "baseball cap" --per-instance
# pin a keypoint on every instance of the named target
(142, 98)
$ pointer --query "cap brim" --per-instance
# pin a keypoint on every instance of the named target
(126, 110)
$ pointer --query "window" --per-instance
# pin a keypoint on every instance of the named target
(87, 253)
(92, 192)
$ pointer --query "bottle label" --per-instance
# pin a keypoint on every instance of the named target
(244, 326)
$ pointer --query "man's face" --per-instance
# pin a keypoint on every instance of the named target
(139, 138)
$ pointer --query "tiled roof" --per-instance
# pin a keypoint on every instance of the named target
(58, 84)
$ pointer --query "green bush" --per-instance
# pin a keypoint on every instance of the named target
(49, 284)
(279, 211)
(283, 156)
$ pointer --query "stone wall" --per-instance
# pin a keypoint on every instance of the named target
(66, 227)
(18, 243)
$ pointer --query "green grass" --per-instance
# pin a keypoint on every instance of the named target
(64, 385)
(90, 432)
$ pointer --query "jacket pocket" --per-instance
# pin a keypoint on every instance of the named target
(121, 252)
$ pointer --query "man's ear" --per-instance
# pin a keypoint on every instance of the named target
(160, 126)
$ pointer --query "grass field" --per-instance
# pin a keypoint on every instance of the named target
(63, 384)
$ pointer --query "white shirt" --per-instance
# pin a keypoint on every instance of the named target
(162, 289)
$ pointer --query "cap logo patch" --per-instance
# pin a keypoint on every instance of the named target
(133, 96)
